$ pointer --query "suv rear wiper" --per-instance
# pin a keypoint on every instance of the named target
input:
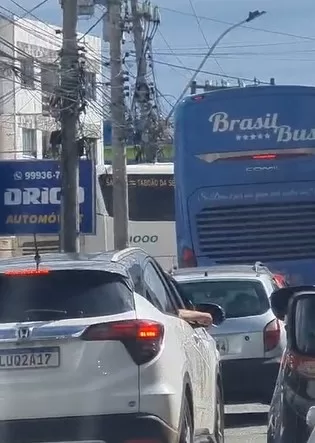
(45, 314)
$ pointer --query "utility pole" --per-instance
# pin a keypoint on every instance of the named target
(142, 91)
(120, 183)
(69, 91)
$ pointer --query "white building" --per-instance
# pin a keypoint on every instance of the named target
(29, 72)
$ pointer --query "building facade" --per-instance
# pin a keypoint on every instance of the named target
(29, 75)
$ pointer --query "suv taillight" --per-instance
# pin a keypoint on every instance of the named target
(305, 366)
(280, 280)
(272, 334)
(141, 338)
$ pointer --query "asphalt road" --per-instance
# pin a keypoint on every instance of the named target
(245, 423)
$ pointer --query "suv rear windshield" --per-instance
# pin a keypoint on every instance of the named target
(305, 325)
(62, 294)
(237, 298)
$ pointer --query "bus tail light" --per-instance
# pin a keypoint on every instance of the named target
(264, 157)
(188, 258)
(198, 98)
(272, 334)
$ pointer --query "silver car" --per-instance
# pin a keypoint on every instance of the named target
(251, 340)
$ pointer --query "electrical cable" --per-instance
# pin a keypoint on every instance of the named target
(200, 53)
(188, 68)
(95, 107)
(27, 12)
(235, 46)
(268, 31)
(169, 47)
(204, 36)
(93, 26)
(34, 29)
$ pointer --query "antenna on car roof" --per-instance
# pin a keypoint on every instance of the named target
(171, 271)
(258, 265)
(37, 256)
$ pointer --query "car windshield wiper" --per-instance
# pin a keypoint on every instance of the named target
(45, 314)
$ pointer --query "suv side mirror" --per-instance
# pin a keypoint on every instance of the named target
(280, 299)
(217, 313)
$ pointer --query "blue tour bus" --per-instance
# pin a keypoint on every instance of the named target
(245, 179)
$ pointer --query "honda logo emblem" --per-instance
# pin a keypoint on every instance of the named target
(23, 333)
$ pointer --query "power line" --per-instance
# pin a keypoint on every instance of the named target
(93, 26)
(268, 31)
(188, 68)
(34, 30)
(236, 53)
(97, 107)
(239, 45)
(27, 11)
(39, 32)
(203, 34)
(169, 47)
(30, 11)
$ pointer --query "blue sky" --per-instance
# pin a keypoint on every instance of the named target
(282, 45)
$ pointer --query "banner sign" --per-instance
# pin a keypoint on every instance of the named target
(31, 194)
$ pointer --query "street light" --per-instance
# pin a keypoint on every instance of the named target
(251, 16)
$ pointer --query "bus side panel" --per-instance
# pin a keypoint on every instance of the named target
(157, 239)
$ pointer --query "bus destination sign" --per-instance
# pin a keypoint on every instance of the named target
(146, 181)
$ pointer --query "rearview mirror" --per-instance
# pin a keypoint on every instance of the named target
(217, 313)
(280, 298)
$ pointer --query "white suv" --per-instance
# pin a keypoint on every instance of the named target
(92, 350)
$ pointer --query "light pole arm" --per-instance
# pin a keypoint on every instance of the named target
(208, 54)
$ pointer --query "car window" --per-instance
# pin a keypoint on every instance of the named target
(237, 298)
(61, 295)
(304, 325)
(184, 302)
(155, 291)
(135, 273)
(175, 293)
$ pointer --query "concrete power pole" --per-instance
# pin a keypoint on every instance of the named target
(142, 90)
(120, 184)
(69, 91)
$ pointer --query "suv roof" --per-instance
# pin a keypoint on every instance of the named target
(244, 270)
(61, 260)
(55, 261)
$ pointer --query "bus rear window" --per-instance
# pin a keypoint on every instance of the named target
(151, 196)
(60, 295)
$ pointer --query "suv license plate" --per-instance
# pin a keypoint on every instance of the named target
(30, 358)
